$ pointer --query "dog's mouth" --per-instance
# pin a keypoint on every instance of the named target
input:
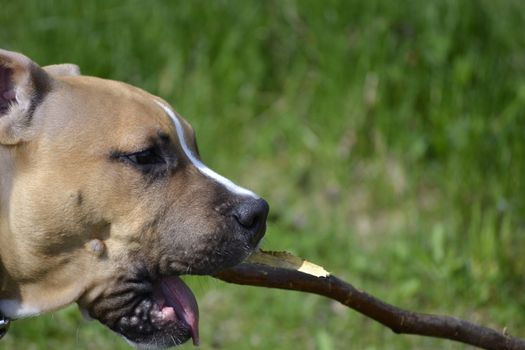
(151, 307)
(168, 316)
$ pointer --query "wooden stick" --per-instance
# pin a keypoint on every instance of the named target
(284, 271)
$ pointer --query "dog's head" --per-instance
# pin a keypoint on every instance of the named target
(104, 201)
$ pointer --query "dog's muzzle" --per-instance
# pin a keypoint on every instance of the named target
(151, 306)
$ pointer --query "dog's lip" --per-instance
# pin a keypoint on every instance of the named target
(178, 298)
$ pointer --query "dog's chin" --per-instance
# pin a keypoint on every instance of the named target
(154, 315)
(169, 317)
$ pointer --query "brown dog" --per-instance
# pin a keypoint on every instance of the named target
(104, 202)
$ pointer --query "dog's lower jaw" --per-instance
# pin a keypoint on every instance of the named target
(154, 325)
(152, 312)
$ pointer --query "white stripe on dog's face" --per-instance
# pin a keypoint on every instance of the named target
(197, 163)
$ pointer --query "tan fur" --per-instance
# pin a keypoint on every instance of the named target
(104, 202)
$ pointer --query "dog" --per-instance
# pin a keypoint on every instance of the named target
(104, 202)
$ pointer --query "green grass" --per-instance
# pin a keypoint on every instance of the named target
(388, 137)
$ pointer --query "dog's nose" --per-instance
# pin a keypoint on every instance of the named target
(251, 214)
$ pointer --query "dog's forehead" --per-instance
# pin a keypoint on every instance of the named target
(123, 112)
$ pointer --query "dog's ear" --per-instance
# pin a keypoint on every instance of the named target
(23, 85)
(62, 69)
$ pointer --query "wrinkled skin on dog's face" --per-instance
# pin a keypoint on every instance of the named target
(104, 202)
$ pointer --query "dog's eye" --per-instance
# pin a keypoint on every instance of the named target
(146, 157)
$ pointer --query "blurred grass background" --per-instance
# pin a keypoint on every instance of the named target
(388, 137)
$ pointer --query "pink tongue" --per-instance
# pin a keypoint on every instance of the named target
(179, 296)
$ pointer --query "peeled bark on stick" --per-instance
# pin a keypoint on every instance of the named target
(284, 271)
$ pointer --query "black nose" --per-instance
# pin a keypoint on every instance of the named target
(251, 214)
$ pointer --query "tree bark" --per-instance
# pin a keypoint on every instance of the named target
(288, 276)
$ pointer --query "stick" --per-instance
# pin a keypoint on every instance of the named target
(284, 271)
